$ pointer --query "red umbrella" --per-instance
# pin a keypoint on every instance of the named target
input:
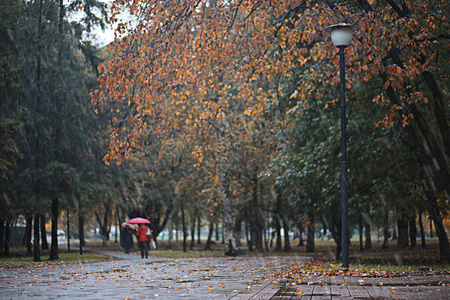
(138, 221)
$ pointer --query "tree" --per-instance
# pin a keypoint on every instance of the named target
(199, 60)
(44, 85)
(10, 125)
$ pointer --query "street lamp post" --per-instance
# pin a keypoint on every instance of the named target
(341, 35)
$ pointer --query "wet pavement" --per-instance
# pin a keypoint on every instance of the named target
(131, 277)
(134, 278)
(415, 286)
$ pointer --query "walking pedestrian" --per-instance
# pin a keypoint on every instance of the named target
(144, 234)
(127, 239)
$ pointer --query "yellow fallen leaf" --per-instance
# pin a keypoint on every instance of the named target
(209, 288)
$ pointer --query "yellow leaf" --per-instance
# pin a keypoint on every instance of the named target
(209, 288)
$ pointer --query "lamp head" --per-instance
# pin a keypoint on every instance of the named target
(341, 34)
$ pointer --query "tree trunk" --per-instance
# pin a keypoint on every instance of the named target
(277, 222)
(217, 231)
(210, 234)
(278, 243)
(301, 229)
(336, 231)
(27, 236)
(80, 227)
(431, 228)
(7, 239)
(285, 220)
(199, 229)
(435, 214)
(2, 235)
(183, 224)
(238, 230)
(177, 229)
(266, 241)
(444, 249)
(68, 231)
(194, 217)
(44, 245)
(272, 236)
(170, 228)
(412, 231)
(248, 230)
(228, 226)
(117, 224)
(422, 231)
(257, 219)
(439, 109)
(386, 229)
(287, 243)
(368, 229)
(54, 246)
(36, 240)
(402, 232)
(104, 232)
(310, 236)
(360, 226)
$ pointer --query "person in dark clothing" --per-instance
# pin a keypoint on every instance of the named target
(127, 239)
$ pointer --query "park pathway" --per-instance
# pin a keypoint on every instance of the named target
(241, 278)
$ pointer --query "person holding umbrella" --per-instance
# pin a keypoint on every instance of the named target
(143, 234)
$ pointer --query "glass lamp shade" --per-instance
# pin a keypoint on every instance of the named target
(341, 34)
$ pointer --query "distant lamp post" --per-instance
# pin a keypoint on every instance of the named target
(341, 35)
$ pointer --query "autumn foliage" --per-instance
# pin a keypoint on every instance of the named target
(209, 70)
(190, 59)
